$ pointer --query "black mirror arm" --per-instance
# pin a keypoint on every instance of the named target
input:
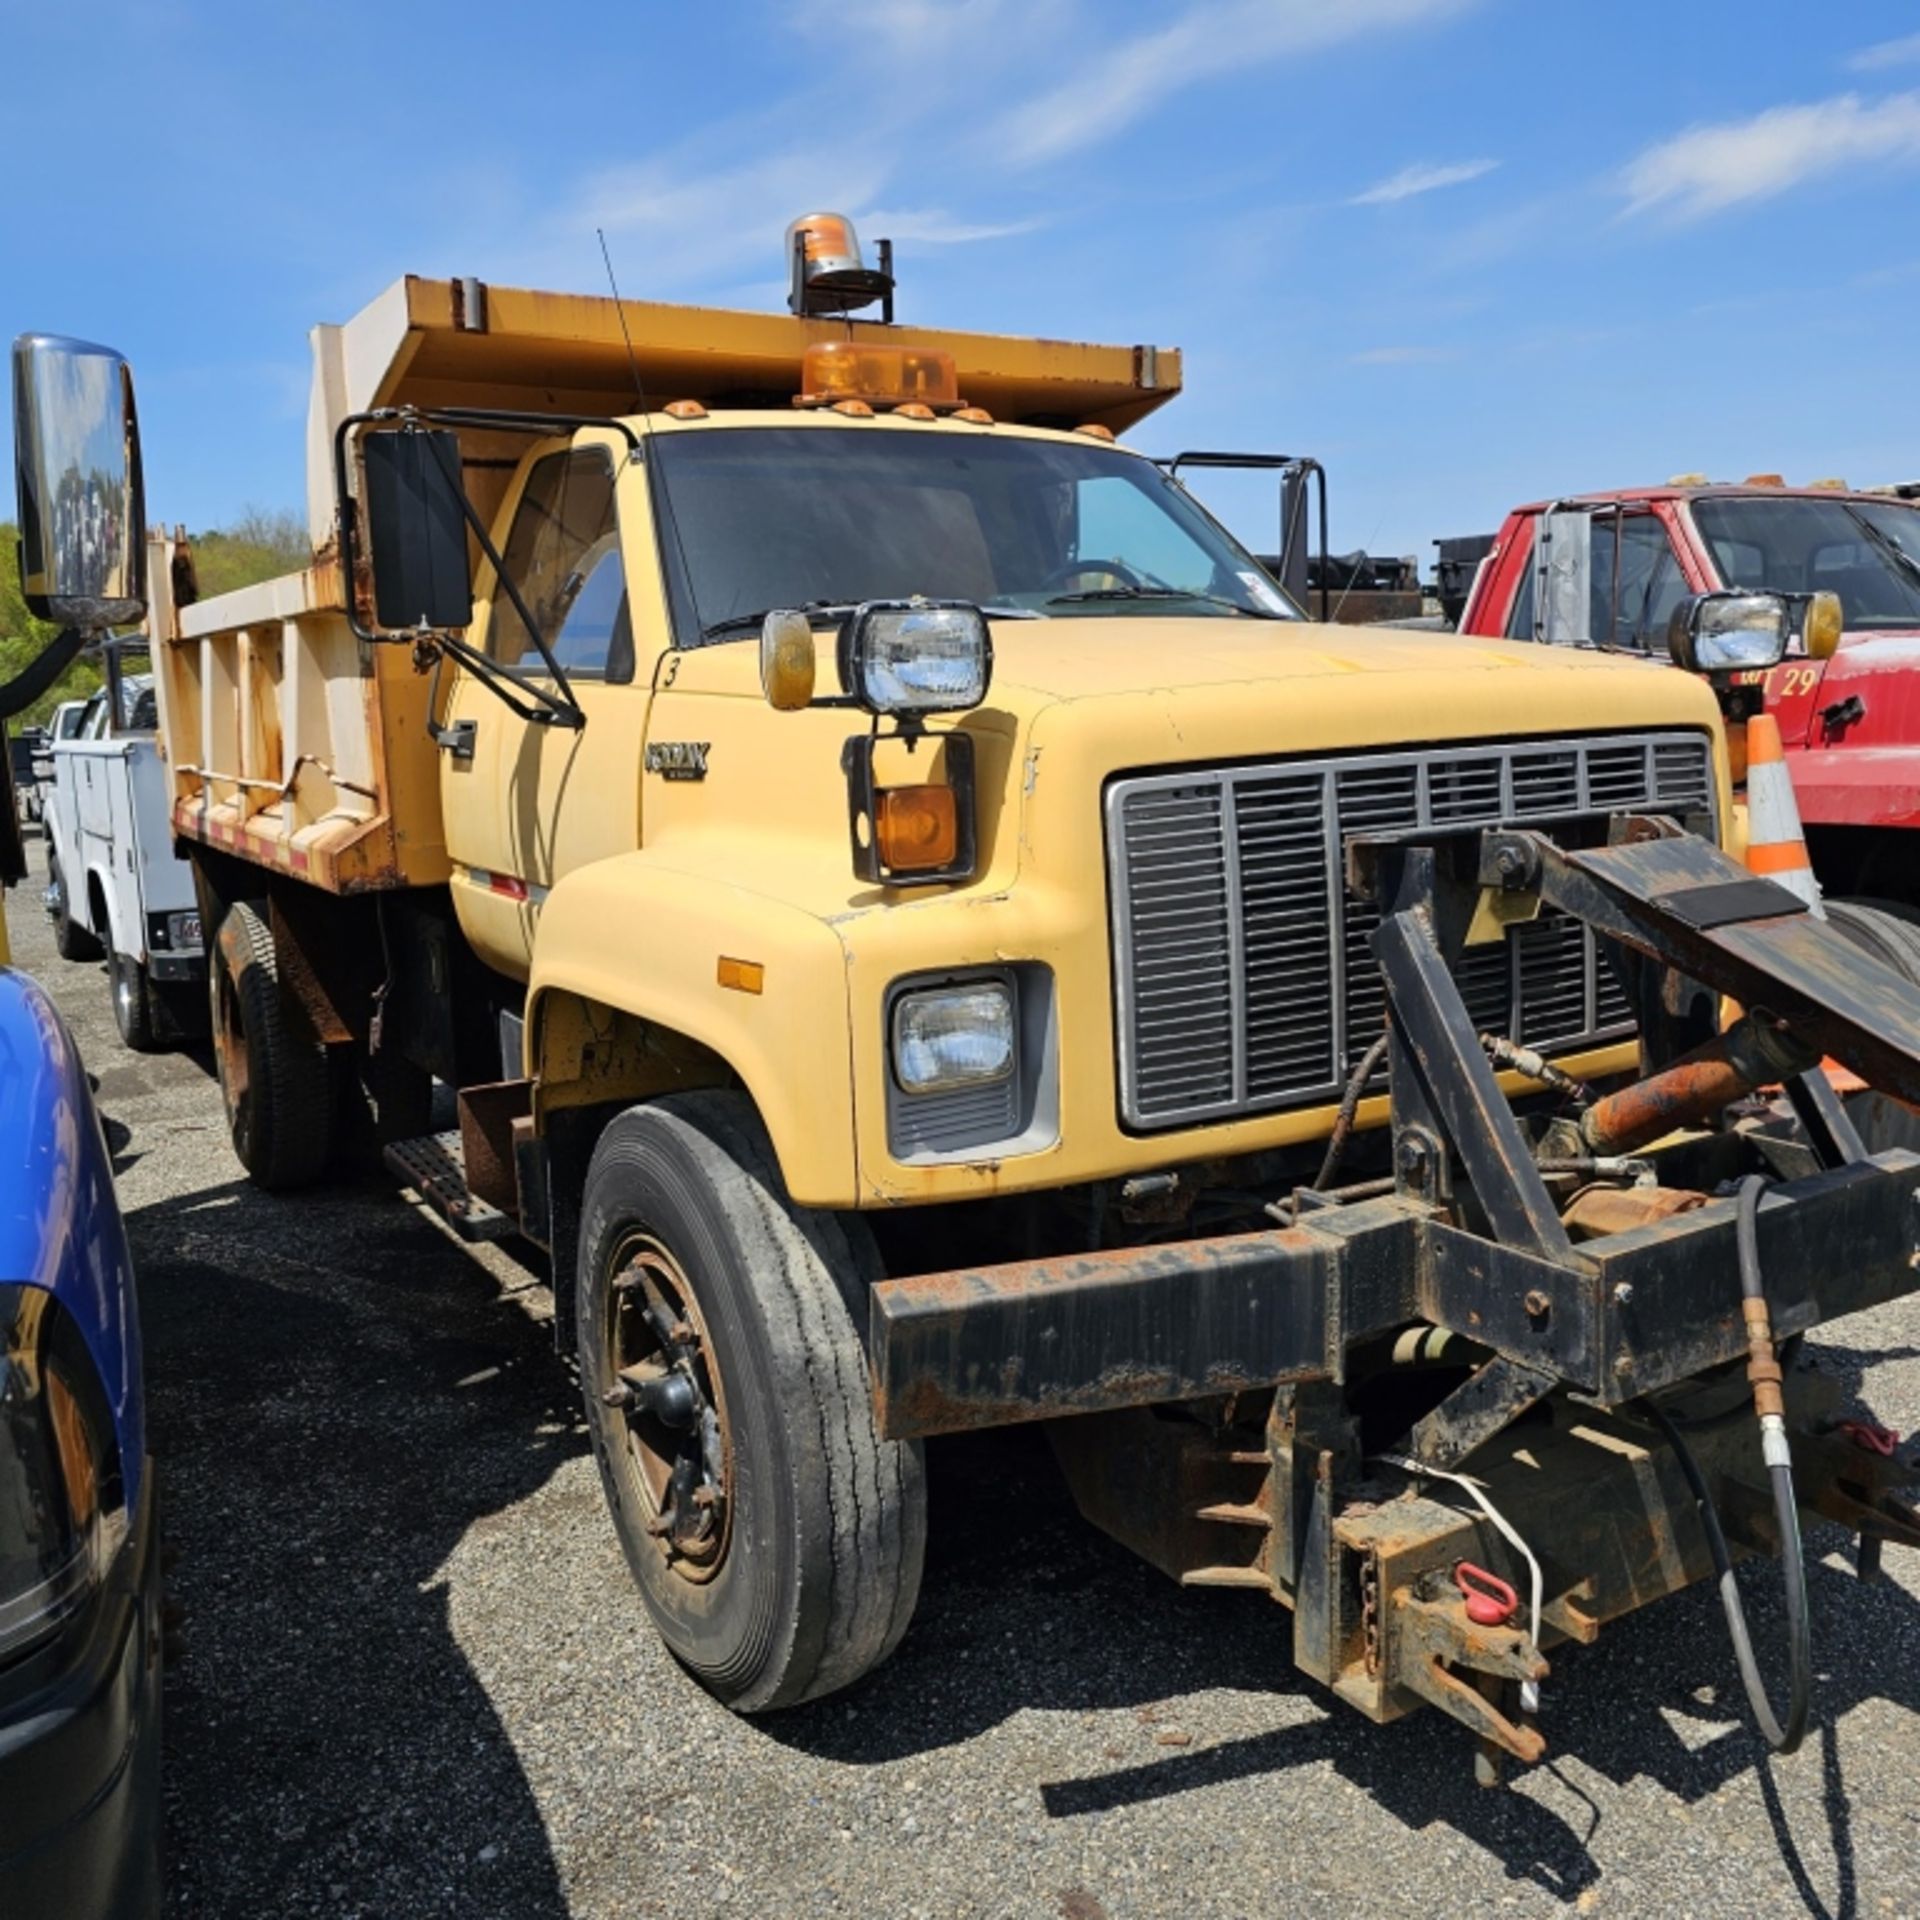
(26, 686)
(566, 704)
(565, 711)
(530, 703)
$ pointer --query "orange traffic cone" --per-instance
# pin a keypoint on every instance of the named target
(1776, 846)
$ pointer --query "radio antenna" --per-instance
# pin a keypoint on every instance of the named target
(620, 310)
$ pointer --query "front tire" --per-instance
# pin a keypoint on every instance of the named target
(775, 1536)
(1886, 933)
(273, 1068)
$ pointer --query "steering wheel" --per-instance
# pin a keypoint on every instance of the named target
(1074, 569)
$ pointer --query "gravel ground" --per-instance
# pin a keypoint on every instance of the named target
(416, 1680)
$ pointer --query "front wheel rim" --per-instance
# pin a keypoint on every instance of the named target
(663, 1381)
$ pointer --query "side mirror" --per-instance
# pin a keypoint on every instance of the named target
(1729, 632)
(1563, 577)
(416, 529)
(83, 542)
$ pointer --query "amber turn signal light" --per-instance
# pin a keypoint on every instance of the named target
(1822, 625)
(916, 829)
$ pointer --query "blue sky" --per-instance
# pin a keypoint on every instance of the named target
(1468, 252)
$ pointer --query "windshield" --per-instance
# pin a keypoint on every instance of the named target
(802, 516)
(1866, 551)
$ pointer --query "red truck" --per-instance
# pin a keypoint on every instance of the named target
(1607, 569)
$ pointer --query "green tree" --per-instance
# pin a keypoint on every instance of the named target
(259, 545)
(22, 637)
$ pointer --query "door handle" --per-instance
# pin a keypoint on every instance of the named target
(456, 739)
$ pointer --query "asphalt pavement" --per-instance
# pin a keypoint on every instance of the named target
(415, 1679)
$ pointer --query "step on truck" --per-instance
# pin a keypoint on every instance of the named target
(928, 937)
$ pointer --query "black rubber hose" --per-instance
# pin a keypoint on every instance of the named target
(1349, 1108)
(1793, 1564)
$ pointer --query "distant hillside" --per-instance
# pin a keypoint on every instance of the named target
(257, 546)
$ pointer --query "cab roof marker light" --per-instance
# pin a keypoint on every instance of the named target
(885, 375)
(685, 410)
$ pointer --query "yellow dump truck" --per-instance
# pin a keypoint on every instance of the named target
(927, 935)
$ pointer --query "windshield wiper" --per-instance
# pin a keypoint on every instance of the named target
(818, 611)
(1161, 593)
(815, 610)
(1887, 545)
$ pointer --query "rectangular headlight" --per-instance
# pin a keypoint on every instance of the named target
(950, 1037)
(913, 657)
(183, 930)
(1729, 631)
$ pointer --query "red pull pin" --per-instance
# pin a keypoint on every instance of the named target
(1872, 1436)
(1490, 1601)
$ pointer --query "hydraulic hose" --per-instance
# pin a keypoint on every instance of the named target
(1764, 1371)
(1350, 1108)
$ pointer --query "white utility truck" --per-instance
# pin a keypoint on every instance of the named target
(114, 884)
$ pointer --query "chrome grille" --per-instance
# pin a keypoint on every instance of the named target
(1245, 981)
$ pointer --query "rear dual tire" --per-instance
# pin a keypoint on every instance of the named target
(805, 1566)
(274, 1077)
(134, 1012)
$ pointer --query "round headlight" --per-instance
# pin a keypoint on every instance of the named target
(1824, 624)
(786, 659)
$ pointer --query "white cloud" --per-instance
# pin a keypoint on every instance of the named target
(1886, 53)
(908, 34)
(1708, 169)
(1421, 177)
(677, 222)
(930, 227)
(1403, 356)
(1108, 91)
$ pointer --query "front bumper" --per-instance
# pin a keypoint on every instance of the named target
(170, 967)
(80, 1753)
(1089, 1333)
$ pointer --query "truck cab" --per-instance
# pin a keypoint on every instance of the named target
(1849, 715)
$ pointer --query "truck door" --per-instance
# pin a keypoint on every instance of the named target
(533, 801)
(1617, 584)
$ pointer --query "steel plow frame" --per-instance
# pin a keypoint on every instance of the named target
(1471, 1241)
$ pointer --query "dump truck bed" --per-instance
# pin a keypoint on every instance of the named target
(293, 743)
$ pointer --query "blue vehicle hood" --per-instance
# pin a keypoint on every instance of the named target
(60, 1225)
